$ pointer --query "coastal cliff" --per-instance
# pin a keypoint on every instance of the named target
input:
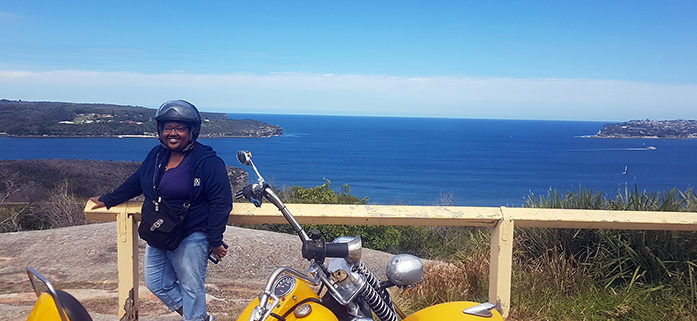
(650, 129)
(62, 119)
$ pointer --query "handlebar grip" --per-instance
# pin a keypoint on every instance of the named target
(336, 250)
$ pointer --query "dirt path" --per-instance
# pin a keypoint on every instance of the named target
(82, 261)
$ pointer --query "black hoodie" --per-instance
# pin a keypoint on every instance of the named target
(211, 196)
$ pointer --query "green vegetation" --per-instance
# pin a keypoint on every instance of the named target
(417, 240)
(22, 118)
(379, 237)
(608, 274)
(577, 274)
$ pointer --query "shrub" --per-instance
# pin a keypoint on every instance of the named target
(62, 208)
(421, 241)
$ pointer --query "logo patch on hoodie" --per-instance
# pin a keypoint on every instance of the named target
(197, 181)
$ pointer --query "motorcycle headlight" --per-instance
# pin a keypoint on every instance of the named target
(355, 247)
(405, 269)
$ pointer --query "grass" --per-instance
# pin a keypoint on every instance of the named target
(537, 297)
(575, 274)
(468, 275)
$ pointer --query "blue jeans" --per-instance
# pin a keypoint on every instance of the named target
(178, 277)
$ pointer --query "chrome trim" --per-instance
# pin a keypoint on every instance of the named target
(335, 293)
(287, 291)
(355, 247)
(480, 310)
(302, 310)
(273, 198)
(404, 270)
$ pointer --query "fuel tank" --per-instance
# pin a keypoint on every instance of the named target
(297, 302)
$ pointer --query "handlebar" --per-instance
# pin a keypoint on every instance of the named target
(340, 250)
(317, 249)
(255, 193)
(314, 248)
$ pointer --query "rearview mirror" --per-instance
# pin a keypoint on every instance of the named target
(244, 157)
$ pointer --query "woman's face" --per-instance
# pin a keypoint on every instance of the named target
(175, 135)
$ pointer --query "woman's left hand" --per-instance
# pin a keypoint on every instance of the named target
(219, 252)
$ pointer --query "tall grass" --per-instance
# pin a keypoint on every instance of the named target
(617, 257)
(581, 274)
(462, 279)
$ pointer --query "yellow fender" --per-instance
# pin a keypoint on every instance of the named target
(451, 311)
(44, 309)
(291, 301)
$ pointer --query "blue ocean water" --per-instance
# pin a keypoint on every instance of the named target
(419, 161)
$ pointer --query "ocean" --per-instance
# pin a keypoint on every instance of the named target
(424, 161)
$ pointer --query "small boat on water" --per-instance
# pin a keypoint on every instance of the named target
(650, 148)
(625, 170)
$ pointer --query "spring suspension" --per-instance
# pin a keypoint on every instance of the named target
(369, 277)
(378, 300)
(373, 281)
(378, 305)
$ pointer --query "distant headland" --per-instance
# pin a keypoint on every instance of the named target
(61, 119)
(650, 129)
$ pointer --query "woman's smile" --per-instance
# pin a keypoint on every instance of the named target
(175, 135)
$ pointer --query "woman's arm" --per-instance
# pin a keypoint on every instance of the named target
(131, 187)
(219, 196)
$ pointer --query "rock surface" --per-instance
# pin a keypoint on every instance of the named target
(82, 261)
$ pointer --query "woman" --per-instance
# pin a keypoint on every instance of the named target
(193, 173)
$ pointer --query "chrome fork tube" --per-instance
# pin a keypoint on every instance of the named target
(273, 198)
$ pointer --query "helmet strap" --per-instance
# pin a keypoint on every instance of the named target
(188, 147)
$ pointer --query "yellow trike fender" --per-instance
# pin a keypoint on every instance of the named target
(44, 309)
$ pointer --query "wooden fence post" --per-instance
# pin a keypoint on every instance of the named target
(127, 252)
(501, 263)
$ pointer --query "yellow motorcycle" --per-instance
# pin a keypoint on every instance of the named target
(337, 285)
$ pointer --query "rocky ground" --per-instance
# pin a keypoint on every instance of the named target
(82, 261)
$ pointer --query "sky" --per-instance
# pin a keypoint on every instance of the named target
(557, 60)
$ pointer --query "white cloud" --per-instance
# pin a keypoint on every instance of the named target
(579, 99)
(8, 17)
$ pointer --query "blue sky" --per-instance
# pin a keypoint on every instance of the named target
(575, 60)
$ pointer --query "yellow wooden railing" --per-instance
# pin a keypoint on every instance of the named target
(501, 219)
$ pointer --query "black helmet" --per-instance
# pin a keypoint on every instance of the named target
(180, 111)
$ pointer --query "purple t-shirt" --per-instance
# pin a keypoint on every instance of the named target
(176, 182)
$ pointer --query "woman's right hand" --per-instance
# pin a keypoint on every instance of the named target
(97, 202)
